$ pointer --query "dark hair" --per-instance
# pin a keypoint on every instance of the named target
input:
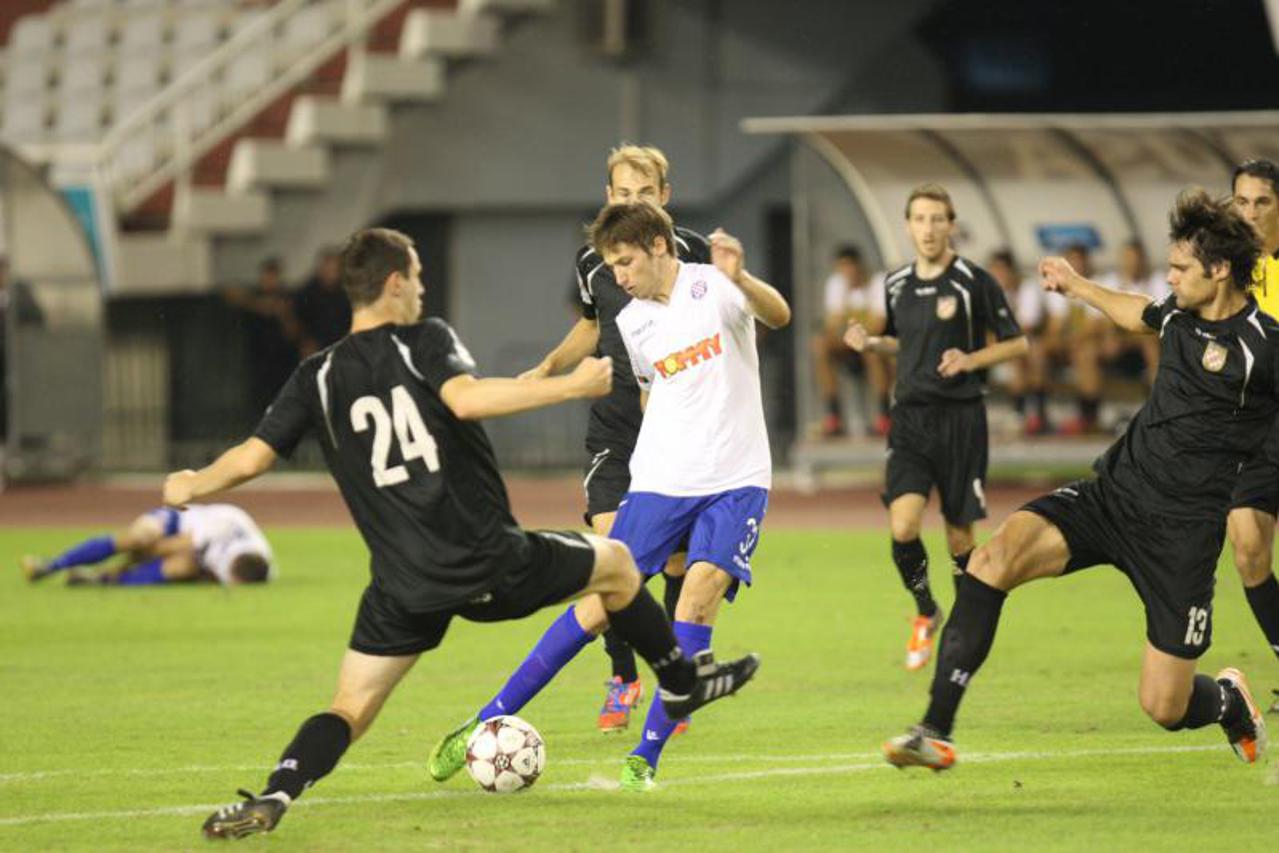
(848, 252)
(1079, 248)
(1266, 170)
(936, 192)
(1003, 256)
(368, 258)
(637, 224)
(271, 264)
(1216, 234)
(250, 568)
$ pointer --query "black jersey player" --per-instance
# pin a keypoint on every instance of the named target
(941, 310)
(635, 173)
(1156, 509)
(395, 406)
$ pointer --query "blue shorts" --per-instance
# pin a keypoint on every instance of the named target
(721, 529)
(168, 519)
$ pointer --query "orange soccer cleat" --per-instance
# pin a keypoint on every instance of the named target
(923, 633)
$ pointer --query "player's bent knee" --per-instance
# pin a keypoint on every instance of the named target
(615, 572)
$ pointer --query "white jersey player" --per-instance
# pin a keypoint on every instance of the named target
(701, 468)
(211, 542)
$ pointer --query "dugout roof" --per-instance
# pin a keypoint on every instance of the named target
(1033, 182)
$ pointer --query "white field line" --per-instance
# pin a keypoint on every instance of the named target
(858, 765)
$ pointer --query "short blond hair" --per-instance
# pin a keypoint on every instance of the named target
(934, 192)
(645, 159)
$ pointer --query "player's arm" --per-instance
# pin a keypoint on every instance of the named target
(859, 339)
(956, 361)
(240, 464)
(471, 398)
(762, 299)
(580, 342)
(1125, 310)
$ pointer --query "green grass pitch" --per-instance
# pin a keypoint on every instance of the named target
(129, 714)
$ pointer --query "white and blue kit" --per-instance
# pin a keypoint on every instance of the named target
(701, 469)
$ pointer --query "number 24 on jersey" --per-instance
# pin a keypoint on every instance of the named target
(405, 421)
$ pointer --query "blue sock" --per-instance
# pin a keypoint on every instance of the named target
(143, 575)
(89, 551)
(559, 645)
(692, 638)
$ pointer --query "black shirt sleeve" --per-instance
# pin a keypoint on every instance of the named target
(890, 319)
(696, 249)
(441, 355)
(586, 263)
(1157, 312)
(288, 418)
(996, 314)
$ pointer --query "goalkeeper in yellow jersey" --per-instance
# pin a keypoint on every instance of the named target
(1255, 503)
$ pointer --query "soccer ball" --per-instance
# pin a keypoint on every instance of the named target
(505, 755)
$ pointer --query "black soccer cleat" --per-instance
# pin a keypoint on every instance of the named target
(254, 815)
(714, 681)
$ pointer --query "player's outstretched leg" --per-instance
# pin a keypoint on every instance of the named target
(1247, 730)
(568, 635)
(88, 552)
(1026, 547)
(364, 683)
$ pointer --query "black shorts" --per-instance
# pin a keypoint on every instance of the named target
(1258, 484)
(943, 445)
(606, 481)
(559, 567)
(1171, 564)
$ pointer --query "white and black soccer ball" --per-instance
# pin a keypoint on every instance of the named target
(505, 755)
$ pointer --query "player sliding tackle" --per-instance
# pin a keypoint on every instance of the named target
(395, 405)
(1157, 507)
(701, 469)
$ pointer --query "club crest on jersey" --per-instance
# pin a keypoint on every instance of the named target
(1214, 357)
(946, 306)
(681, 360)
(698, 289)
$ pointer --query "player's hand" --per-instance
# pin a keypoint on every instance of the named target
(954, 362)
(179, 488)
(856, 338)
(539, 372)
(1058, 275)
(593, 377)
(727, 254)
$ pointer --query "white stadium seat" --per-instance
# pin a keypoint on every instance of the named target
(78, 120)
(24, 119)
(138, 72)
(31, 34)
(25, 74)
(196, 30)
(83, 73)
(87, 33)
(142, 31)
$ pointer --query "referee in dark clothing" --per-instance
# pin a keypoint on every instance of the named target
(941, 309)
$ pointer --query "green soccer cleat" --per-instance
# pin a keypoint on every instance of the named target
(449, 755)
(637, 775)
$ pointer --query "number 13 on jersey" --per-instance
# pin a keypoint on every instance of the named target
(410, 431)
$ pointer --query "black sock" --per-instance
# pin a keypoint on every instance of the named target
(670, 598)
(311, 756)
(965, 642)
(1088, 409)
(912, 564)
(643, 624)
(1041, 405)
(1210, 702)
(1264, 601)
(1019, 404)
(884, 404)
(620, 652)
(833, 408)
(961, 566)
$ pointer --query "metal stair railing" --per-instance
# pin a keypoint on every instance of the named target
(164, 124)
